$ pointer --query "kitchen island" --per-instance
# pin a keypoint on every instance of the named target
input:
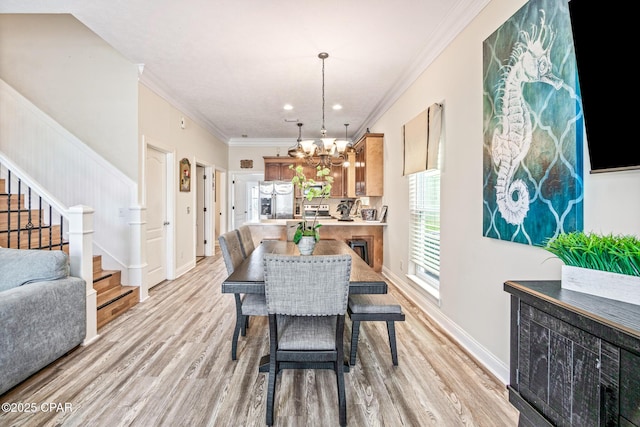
(369, 231)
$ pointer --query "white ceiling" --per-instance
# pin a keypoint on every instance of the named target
(231, 65)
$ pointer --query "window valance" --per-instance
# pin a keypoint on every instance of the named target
(422, 140)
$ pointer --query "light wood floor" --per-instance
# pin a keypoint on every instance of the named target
(167, 362)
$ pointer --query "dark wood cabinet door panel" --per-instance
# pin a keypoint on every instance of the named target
(630, 387)
(585, 399)
(567, 374)
(560, 375)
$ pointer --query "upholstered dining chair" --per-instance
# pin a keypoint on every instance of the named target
(307, 302)
(246, 304)
(246, 240)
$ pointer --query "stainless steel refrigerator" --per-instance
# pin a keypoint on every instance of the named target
(276, 199)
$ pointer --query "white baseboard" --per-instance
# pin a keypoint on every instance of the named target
(429, 306)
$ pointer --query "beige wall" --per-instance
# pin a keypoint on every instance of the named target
(255, 152)
(76, 78)
(473, 307)
(160, 125)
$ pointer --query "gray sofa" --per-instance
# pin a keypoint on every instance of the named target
(42, 312)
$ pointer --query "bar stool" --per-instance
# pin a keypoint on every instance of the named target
(362, 248)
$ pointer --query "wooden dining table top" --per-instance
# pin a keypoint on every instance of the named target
(249, 276)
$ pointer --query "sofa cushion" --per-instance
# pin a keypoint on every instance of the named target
(39, 323)
(20, 266)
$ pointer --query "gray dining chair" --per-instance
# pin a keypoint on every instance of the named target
(307, 302)
(246, 240)
(246, 304)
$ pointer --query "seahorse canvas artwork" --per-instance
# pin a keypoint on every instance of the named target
(533, 127)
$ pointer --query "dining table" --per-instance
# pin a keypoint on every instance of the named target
(248, 277)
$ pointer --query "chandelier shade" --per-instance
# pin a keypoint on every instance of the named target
(309, 146)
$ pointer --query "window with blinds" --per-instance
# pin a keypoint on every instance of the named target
(424, 209)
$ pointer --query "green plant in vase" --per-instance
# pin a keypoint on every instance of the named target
(616, 254)
(307, 187)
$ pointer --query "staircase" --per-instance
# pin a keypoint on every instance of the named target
(113, 299)
(23, 227)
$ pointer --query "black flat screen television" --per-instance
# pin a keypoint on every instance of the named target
(601, 36)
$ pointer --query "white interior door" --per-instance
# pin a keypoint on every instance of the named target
(201, 232)
(239, 201)
(218, 204)
(156, 191)
(246, 198)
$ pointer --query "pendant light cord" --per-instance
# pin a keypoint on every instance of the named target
(323, 56)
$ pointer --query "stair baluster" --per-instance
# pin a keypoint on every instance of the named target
(32, 234)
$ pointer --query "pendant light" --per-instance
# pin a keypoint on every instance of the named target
(327, 151)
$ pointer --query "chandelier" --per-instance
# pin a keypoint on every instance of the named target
(326, 151)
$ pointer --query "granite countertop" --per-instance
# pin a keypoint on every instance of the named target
(323, 221)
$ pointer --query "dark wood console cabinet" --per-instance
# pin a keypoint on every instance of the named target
(575, 358)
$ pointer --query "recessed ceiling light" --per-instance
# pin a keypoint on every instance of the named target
(337, 107)
(288, 107)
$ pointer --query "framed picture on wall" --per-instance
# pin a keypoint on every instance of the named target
(383, 214)
(533, 185)
(185, 175)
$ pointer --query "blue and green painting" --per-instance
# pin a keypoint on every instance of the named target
(533, 127)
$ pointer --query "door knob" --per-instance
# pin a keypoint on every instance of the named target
(166, 223)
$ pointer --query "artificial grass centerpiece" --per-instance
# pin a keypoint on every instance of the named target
(613, 253)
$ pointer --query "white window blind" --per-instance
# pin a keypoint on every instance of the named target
(424, 209)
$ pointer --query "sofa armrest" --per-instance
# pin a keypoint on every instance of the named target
(39, 323)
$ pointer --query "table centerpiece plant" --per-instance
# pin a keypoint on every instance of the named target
(603, 265)
(308, 188)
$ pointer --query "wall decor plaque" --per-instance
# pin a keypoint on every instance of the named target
(185, 175)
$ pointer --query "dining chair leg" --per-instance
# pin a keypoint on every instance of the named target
(271, 392)
(273, 370)
(234, 342)
(355, 332)
(339, 368)
(238, 328)
(342, 400)
(391, 330)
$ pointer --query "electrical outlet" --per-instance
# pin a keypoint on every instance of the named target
(401, 265)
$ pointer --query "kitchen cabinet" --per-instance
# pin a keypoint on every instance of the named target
(308, 171)
(277, 168)
(365, 176)
(337, 188)
(574, 358)
(336, 172)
